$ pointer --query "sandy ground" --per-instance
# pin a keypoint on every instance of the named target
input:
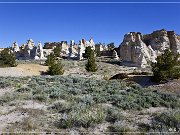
(33, 105)
(75, 69)
(9, 113)
(5, 90)
(23, 70)
(8, 119)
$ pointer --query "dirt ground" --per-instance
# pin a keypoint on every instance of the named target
(23, 70)
(70, 67)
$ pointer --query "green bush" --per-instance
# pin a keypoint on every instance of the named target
(7, 97)
(91, 65)
(90, 91)
(87, 99)
(50, 59)
(114, 114)
(7, 58)
(83, 116)
(88, 52)
(56, 68)
(166, 67)
(57, 51)
(62, 107)
(88, 102)
(23, 89)
(40, 97)
(3, 84)
(166, 121)
(134, 99)
(121, 127)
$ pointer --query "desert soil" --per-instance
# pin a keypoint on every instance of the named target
(70, 67)
(23, 70)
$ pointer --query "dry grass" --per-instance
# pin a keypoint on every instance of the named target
(32, 69)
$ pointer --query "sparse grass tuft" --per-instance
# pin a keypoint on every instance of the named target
(168, 121)
(82, 115)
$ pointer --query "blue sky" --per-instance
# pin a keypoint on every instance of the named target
(103, 22)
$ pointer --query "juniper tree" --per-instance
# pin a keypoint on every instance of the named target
(91, 65)
(56, 68)
(50, 59)
(57, 51)
(87, 52)
(7, 58)
(167, 67)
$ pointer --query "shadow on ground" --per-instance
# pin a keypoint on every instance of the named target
(142, 80)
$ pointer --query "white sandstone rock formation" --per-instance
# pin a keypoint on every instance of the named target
(15, 47)
(174, 42)
(91, 44)
(115, 56)
(72, 52)
(28, 50)
(39, 52)
(81, 50)
(65, 48)
(141, 50)
(134, 50)
(158, 40)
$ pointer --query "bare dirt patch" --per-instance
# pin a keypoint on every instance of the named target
(8, 119)
(23, 70)
(172, 86)
(33, 105)
(5, 90)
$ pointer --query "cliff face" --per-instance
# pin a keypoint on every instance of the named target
(143, 49)
(158, 40)
(174, 42)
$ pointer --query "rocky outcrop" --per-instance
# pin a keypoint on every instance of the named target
(76, 51)
(51, 45)
(15, 47)
(115, 55)
(158, 40)
(134, 50)
(63, 45)
(174, 42)
(39, 52)
(28, 50)
(141, 50)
